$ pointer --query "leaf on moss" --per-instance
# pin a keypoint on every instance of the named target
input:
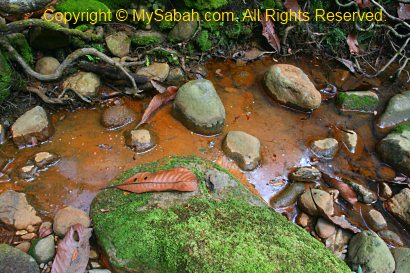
(177, 179)
(158, 101)
(73, 251)
(268, 30)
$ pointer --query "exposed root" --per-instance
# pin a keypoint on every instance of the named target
(41, 92)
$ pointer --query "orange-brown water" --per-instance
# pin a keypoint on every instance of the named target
(91, 155)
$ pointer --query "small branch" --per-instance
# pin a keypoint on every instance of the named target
(41, 92)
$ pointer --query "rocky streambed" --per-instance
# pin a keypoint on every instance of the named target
(249, 127)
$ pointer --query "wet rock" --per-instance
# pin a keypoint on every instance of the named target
(44, 159)
(67, 217)
(199, 108)
(119, 44)
(117, 116)
(16, 211)
(84, 83)
(140, 140)
(349, 140)
(43, 250)
(156, 71)
(303, 220)
(29, 236)
(367, 250)
(357, 101)
(176, 77)
(183, 31)
(243, 148)
(325, 148)
(385, 190)
(397, 111)
(13, 260)
(290, 85)
(339, 77)
(47, 65)
(305, 174)
(399, 206)
(2, 134)
(288, 195)
(322, 199)
(395, 149)
(324, 228)
(338, 241)
(364, 195)
(34, 124)
(375, 220)
(146, 38)
(28, 172)
(199, 71)
(24, 246)
(202, 219)
(402, 258)
(390, 237)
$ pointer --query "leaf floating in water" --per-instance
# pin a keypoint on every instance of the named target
(73, 251)
(177, 179)
(269, 33)
(157, 102)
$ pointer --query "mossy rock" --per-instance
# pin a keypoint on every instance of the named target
(5, 78)
(224, 230)
(146, 38)
(19, 42)
(357, 101)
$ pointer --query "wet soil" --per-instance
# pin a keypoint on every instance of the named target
(91, 155)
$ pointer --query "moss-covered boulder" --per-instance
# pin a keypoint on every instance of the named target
(357, 101)
(220, 228)
(146, 38)
(13, 260)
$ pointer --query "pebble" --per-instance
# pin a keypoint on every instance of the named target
(385, 190)
(29, 236)
(93, 254)
(24, 246)
(325, 148)
(95, 265)
(21, 232)
(303, 219)
(67, 217)
(322, 199)
(376, 220)
(324, 228)
(31, 228)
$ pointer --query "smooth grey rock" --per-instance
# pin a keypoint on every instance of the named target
(32, 124)
(399, 206)
(395, 150)
(43, 250)
(288, 84)
(325, 148)
(371, 253)
(397, 111)
(155, 71)
(16, 211)
(183, 31)
(375, 220)
(13, 260)
(199, 108)
(47, 65)
(119, 44)
(243, 148)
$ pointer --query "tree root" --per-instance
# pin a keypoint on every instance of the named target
(41, 92)
(67, 62)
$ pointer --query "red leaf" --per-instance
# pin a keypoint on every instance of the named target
(292, 5)
(73, 251)
(157, 102)
(269, 32)
(345, 190)
(177, 179)
(403, 11)
(353, 43)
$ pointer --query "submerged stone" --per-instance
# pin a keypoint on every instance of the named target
(219, 228)
(357, 101)
(395, 149)
(288, 195)
(199, 108)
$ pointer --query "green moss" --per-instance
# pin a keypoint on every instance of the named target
(145, 40)
(206, 4)
(204, 234)
(19, 42)
(203, 41)
(402, 127)
(84, 27)
(6, 73)
(335, 39)
(352, 102)
(166, 25)
(81, 6)
(116, 4)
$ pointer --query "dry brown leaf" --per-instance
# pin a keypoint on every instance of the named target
(292, 5)
(157, 102)
(403, 11)
(158, 86)
(353, 43)
(268, 31)
(73, 251)
(364, 3)
(177, 179)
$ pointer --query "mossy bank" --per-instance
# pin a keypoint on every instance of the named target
(219, 228)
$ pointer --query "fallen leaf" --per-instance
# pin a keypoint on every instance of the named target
(177, 179)
(349, 64)
(353, 43)
(345, 190)
(158, 86)
(364, 3)
(292, 5)
(73, 251)
(268, 31)
(157, 102)
(403, 11)
(340, 221)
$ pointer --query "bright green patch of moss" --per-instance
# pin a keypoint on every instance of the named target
(402, 127)
(203, 234)
(352, 102)
(203, 41)
(84, 27)
(206, 4)
(19, 42)
(5, 78)
(166, 25)
(81, 6)
(145, 40)
(116, 4)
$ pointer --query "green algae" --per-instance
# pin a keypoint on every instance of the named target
(203, 234)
